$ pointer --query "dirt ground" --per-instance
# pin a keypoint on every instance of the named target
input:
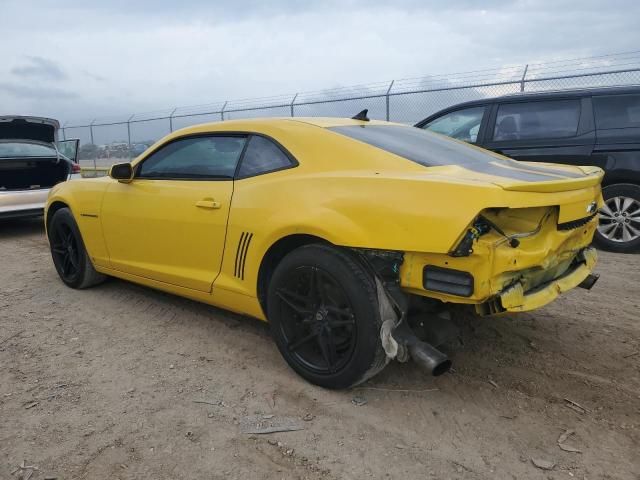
(104, 384)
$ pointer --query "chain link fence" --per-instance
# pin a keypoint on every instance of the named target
(105, 141)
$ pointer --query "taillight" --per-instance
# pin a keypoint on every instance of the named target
(75, 168)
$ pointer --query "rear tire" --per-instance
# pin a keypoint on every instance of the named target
(324, 316)
(619, 225)
(68, 252)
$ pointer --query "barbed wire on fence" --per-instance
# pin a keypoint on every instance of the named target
(406, 100)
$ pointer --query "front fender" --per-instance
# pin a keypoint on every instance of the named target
(84, 198)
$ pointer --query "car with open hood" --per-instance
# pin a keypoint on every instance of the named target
(32, 160)
(347, 235)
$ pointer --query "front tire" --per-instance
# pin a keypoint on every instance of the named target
(68, 252)
(619, 222)
(323, 311)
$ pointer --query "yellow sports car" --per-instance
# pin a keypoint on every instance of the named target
(347, 235)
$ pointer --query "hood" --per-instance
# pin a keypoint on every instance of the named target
(38, 129)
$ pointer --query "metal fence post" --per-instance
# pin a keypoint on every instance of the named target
(95, 166)
(387, 98)
(524, 74)
(91, 130)
(171, 119)
(129, 133)
(222, 111)
(292, 103)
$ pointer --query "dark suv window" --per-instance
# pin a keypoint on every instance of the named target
(617, 111)
(262, 156)
(462, 124)
(537, 120)
(210, 157)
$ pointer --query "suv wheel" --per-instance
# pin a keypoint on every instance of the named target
(619, 227)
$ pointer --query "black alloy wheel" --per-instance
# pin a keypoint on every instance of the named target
(323, 311)
(68, 251)
(318, 326)
(65, 251)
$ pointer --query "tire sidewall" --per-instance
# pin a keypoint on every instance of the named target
(65, 217)
(358, 286)
(608, 192)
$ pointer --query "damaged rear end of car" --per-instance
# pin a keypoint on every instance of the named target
(498, 236)
(508, 259)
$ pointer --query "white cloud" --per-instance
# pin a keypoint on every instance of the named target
(135, 56)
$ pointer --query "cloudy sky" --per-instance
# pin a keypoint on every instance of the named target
(77, 59)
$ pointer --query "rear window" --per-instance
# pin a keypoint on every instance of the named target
(432, 149)
(617, 111)
(17, 149)
(420, 146)
(537, 120)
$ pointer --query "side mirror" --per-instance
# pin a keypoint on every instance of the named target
(123, 172)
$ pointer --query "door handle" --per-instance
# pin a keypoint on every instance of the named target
(212, 204)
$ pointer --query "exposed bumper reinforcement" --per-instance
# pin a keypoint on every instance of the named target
(514, 299)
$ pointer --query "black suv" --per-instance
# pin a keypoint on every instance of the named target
(581, 127)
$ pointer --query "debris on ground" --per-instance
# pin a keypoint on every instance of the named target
(359, 401)
(24, 471)
(219, 403)
(308, 417)
(258, 425)
(543, 464)
(563, 446)
(401, 390)
(575, 406)
(563, 437)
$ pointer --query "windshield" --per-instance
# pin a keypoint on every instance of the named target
(432, 150)
(18, 149)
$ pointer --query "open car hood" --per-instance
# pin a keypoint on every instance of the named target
(13, 127)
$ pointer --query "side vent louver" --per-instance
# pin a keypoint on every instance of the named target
(241, 254)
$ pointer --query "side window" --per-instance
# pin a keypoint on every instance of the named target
(194, 158)
(262, 156)
(461, 124)
(537, 120)
(617, 111)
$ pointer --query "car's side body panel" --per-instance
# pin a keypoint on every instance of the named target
(144, 220)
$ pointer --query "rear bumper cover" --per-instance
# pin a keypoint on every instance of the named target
(22, 203)
(26, 203)
(515, 299)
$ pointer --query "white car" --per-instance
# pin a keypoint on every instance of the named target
(32, 160)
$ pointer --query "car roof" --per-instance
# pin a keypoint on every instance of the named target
(256, 124)
(540, 95)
